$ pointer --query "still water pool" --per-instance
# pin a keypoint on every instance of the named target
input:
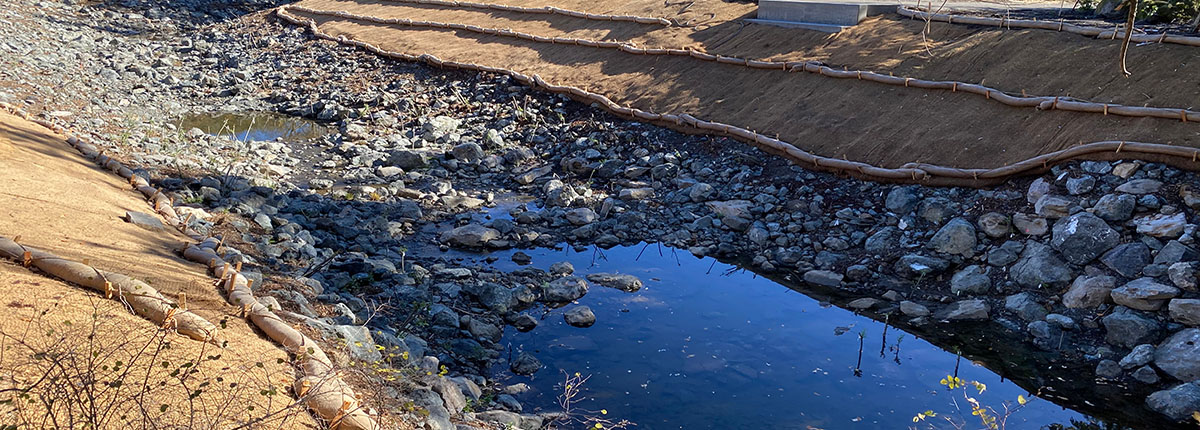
(258, 126)
(704, 345)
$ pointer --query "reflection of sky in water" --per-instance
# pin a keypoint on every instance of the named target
(698, 350)
(257, 126)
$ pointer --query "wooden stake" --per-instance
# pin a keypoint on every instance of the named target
(27, 259)
(182, 301)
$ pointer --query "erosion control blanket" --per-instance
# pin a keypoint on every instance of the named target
(880, 124)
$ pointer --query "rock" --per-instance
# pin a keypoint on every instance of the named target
(1005, 254)
(701, 192)
(524, 322)
(636, 193)
(144, 220)
(1089, 292)
(1052, 207)
(1041, 330)
(627, 283)
(1080, 185)
(1162, 225)
(1030, 225)
(1146, 375)
(470, 236)
(452, 395)
(525, 364)
(1144, 294)
(1082, 237)
(483, 331)
(1183, 275)
(469, 152)
(1115, 207)
(1108, 369)
(916, 266)
(864, 303)
(913, 309)
(972, 280)
(506, 419)
(1140, 356)
(1125, 170)
(936, 210)
(1062, 321)
(1177, 355)
(956, 237)
(823, 277)
(884, 240)
(521, 258)
(429, 401)
(497, 298)
(581, 216)
(902, 200)
(1040, 266)
(407, 160)
(562, 268)
(1026, 306)
(1185, 311)
(975, 309)
(1129, 328)
(1174, 252)
(1127, 259)
(995, 225)
(532, 174)
(580, 316)
(1038, 188)
(1140, 186)
(1177, 403)
(565, 289)
(732, 208)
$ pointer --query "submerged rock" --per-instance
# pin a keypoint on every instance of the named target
(623, 282)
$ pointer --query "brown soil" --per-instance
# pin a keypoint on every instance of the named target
(874, 123)
(55, 200)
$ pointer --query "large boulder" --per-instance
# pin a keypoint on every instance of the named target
(1083, 237)
(1144, 294)
(1177, 403)
(956, 237)
(1178, 355)
(1129, 328)
(1040, 266)
(1089, 291)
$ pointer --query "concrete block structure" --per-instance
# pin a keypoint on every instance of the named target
(831, 16)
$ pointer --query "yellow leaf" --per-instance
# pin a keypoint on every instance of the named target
(1022, 400)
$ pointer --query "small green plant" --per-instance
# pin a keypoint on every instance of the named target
(575, 417)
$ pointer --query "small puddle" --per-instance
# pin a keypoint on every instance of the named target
(705, 345)
(257, 126)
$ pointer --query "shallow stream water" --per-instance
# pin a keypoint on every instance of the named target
(258, 126)
(705, 345)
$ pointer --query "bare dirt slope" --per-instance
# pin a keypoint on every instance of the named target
(57, 201)
(875, 123)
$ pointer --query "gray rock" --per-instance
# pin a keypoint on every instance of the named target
(1042, 330)
(1052, 207)
(1162, 225)
(452, 395)
(483, 331)
(1080, 185)
(915, 266)
(701, 192)
(144, 220)
(1108, 369)
(971, 280)
(1083, 237)
(864, 303)
(1089, 291)
(902, 200)
(1177, 403)
(565, 289)
(1183, 275)
(995, 225)
(524, 322)
(562, 268)
(1175, 252)
(1038, 188)
(1127, 259)
(1140, 186)
(1030, 225)
(1115, 207)
(580, 216)
(956, 237)
(975, 309)
(407, 160)
(1040, 266)
(623, 282)
(1144, 294)
(1129, 328)
(1026, 306)
(884, 240)
(1005, 254)
(1146, 375)
(1140, 356)
(470, 236)
(913, 309)
(439, 417)
(1177, 355)
(525, 364)
(469, 152)
(580, 316)
(1185, 311)
(1062, 321)
(936, 210)
(823, 277)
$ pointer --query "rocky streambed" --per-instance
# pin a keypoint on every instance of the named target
(403, 233)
